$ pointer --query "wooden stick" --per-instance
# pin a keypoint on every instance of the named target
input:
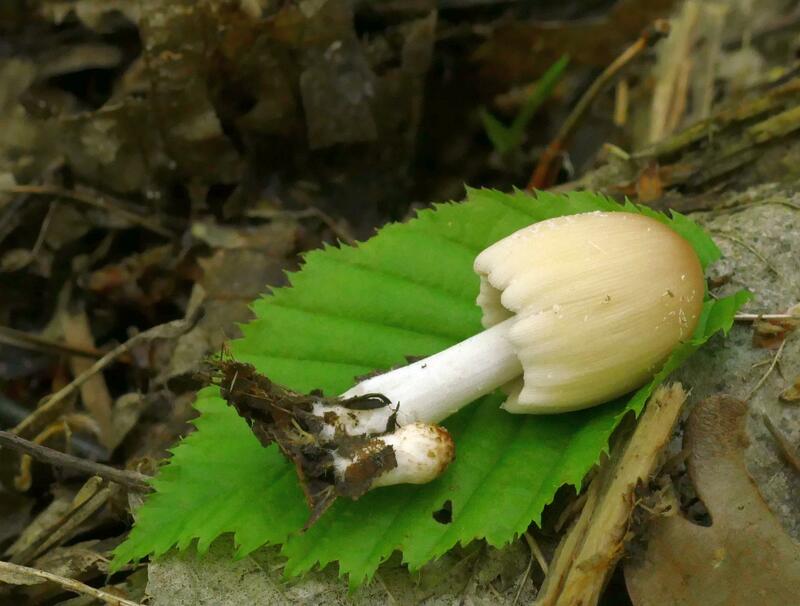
(130, 479)
(550, 161)
(95, 200)
(767, 317)
(25, 340)
(24, 573)
(51, 405)
(591, 548)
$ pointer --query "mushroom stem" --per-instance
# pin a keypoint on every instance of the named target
(435, 387)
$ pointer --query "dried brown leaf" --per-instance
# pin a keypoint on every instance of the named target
(74, 561)
(745, 557)
(78, 57)
(649, 186)
(82, 561)
(770, 333)
(95, 395)
(276, 238)
(61, 521)
(43, 523)
(792, 394)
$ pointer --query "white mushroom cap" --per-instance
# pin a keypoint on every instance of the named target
(599, 301)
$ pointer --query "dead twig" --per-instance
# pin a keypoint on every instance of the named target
(786, 203)
(570, 511)
(51, 406)
(525, 576)
(14, 573)
(536, 551)
(40, 239)
(95, 200)
(767, 317)
(130, 479)
(310, 212)
(787, 450)
(591, 548)
(766, 375)
(24, 478)
(340, 232)
(25, 340)
(550, 160)
(536, 554)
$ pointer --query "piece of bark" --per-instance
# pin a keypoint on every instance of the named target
(591, 548)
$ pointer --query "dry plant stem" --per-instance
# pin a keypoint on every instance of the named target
(767, 317)
(591, 548)
(12, 413)
(787, 450)
(24, 478)
(96, 201)
(549, 163)
(130, 479)
(754, 251)
(766, 375)
(66, 583)
(525, 576)
(24, 340)
(671, 73)
(538, 556)
(53, 405)
(71, 515)
(536, 551)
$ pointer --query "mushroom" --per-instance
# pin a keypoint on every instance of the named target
(577, 310)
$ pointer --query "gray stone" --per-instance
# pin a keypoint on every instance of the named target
(479, 576)
(761, 244)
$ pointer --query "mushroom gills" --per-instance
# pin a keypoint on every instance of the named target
(597, 302)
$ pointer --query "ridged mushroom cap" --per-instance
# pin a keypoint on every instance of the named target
(599, 301)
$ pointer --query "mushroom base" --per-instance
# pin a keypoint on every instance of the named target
(312, 432)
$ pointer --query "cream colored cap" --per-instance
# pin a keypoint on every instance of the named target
(599, 300)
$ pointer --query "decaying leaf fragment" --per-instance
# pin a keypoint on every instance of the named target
(770, 331)
(745, 556)
(792, 393)
(769, 334)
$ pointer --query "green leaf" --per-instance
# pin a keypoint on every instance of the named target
(501, 136)
(218, 480)
(506, 139)
(408, 291)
